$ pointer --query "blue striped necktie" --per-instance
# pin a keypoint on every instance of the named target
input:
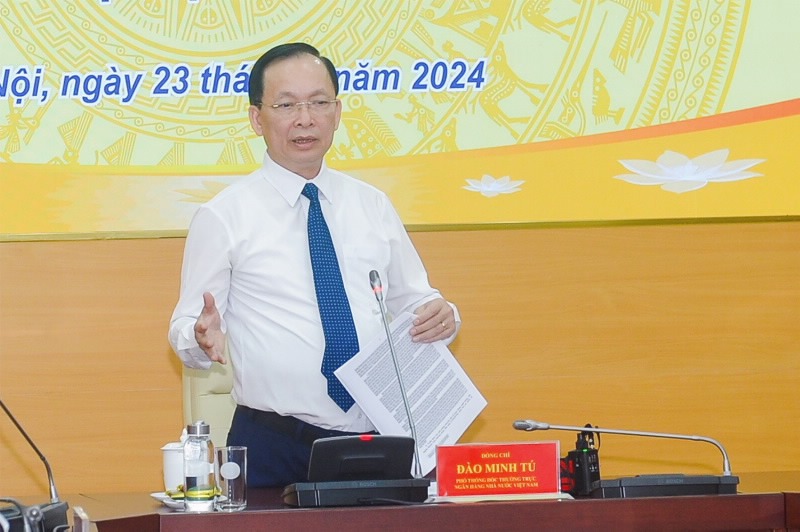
(341, 340)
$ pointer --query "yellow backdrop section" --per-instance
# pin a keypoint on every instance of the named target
(122, 116)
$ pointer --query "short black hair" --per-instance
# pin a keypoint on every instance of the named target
(284, 51)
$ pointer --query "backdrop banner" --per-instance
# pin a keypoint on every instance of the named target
(122, 116)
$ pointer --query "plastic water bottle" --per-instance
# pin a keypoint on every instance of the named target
(199, 486)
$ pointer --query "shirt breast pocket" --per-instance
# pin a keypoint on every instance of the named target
(363, 252)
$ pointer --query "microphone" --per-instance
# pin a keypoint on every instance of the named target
(377, 288)
(51, 516)
(530, 425)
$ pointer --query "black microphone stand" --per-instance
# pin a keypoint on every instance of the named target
(48, 517)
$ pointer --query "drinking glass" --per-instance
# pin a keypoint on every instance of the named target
(231, 473)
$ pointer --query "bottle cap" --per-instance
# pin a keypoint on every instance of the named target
(200, 428)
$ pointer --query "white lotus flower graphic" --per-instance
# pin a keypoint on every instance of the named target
(677, 173)
(490, 187)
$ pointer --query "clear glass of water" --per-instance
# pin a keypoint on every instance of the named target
(231, 470)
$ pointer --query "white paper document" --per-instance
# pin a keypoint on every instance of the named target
(443, 400)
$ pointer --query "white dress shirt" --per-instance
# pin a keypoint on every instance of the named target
(248, 246)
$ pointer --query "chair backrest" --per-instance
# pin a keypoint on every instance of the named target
(207, 396)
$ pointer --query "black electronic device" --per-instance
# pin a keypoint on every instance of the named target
(581, 467)
(357, 492)
(357, 471)
(49, 517)
(362, 457)
(664, 485)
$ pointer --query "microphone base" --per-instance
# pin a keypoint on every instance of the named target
(664, 486)
(356, 492)
(54, 517)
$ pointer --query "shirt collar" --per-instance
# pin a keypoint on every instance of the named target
(290, 185)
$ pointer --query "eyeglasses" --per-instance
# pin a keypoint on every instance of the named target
(315, 107)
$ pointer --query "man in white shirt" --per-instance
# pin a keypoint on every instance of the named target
(247, 277)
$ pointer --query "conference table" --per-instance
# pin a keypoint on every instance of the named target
(266, 511)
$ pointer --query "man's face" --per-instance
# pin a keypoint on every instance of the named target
(298, 139)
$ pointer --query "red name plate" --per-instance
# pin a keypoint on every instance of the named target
(498, 469)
